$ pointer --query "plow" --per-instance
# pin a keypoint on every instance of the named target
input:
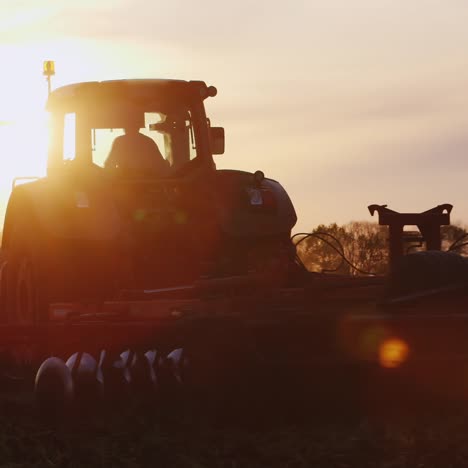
(118, 275)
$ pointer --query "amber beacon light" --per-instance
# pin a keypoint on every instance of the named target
(48, 71)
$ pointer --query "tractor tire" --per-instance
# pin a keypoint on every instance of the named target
(27, 282)
(23, 289)
(3, 287)
(26, 296)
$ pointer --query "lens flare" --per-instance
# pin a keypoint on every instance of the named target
(393, 352)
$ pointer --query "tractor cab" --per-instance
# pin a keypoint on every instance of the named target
(89, 120)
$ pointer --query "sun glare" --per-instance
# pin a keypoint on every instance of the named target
(23, 94)
(24, 133)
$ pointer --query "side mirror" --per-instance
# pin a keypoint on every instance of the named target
(217, 140)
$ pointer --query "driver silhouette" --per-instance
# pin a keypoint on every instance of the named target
(134, 150)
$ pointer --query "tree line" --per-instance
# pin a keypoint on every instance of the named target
(361, 247)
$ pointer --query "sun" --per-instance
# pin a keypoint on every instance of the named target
(23, 96)
(23, 129)
(23, 135)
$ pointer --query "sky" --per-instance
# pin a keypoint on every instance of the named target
(345, 102)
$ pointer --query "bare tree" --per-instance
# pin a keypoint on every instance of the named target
(359, 247)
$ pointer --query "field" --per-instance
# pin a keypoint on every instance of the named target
(322, 435)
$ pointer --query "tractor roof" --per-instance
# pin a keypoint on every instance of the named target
(69, 97)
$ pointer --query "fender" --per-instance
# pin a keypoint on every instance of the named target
(239, 219)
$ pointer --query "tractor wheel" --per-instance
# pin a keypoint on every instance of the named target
(27, 282)
(3, 287)
(23, 292)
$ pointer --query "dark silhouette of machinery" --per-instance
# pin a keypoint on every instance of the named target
(94, 233)
(116, 277)
(428, 223)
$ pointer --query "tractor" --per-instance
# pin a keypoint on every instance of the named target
(128, 273)
(87, 232)
(103, 259)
